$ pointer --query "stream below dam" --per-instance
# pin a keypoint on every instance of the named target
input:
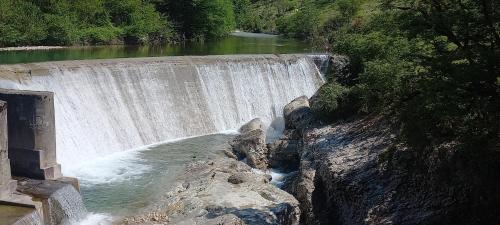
(125, 183)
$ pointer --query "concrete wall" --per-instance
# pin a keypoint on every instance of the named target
(31, 134)
(6, 184)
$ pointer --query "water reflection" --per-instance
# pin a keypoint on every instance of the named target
(237, 43)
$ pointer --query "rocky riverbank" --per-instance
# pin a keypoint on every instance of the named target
(343, 176)
(222, 191)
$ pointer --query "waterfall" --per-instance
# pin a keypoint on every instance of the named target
(30, 219)
(107, 106)
(66, 206)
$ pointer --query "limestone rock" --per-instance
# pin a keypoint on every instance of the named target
(237, 178)
(298, 114)
(255, 124)
(251, 143)
(211, 199)
(284, 153)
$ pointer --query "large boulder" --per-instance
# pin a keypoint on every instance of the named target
(255, 124)
(284, 154)
(251, 144)
(298, 114)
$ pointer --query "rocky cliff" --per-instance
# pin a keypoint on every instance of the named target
(345, 177)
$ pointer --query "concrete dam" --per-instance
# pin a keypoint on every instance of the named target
(92, 108)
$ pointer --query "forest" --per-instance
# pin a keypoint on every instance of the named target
(431, 66)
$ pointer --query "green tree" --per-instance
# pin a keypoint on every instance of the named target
(200, 18)
(20, 23)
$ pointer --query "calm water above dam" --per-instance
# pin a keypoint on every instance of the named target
(237, 43)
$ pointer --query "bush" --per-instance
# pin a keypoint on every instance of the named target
(200, 19)
(334, 101)
(100, 35)
(21, 23)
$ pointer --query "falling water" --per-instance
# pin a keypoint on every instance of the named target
(66, 206)
(322, 61)
(30, 219)
(107, 106)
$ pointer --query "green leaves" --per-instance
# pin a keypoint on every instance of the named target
(433, 64)
(200, 19)
(64, 22)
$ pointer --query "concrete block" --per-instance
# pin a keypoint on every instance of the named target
(31, 133)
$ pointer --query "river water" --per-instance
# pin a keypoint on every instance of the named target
(237, 43)
(125, 183)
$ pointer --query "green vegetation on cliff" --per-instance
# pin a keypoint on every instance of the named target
(433, 65)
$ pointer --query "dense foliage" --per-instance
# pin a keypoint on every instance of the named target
(81, 22)
(63, 22)
(433, 65)
(200, 19)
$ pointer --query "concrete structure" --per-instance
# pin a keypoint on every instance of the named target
(7, 185)
(28, 152)
(31, 134)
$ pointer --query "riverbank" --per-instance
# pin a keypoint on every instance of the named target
(31, 48)
(222, 191)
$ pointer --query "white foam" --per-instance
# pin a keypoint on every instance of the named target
(111, 168)
(119, 166)
(278, 177)
(96, 219)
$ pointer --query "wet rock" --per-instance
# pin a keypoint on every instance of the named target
(284, 154)
(251, 143)
(229, 154)
(255, 124)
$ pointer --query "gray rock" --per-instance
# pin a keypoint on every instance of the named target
(237, 178)
(252, 144)
(255, 124)
(298, 115)
(284, 153)
(211, 199)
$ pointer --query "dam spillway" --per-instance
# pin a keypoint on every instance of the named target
(108, 106)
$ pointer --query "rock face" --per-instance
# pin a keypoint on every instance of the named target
(283, 153)
(251, 143)
(223, 191)
(338, 180)
(298, 114)
(344, 177)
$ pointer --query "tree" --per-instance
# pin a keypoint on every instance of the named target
(200, 18)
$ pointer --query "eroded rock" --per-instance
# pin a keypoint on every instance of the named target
(213, 198)
(298, 115)
(251, 144)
